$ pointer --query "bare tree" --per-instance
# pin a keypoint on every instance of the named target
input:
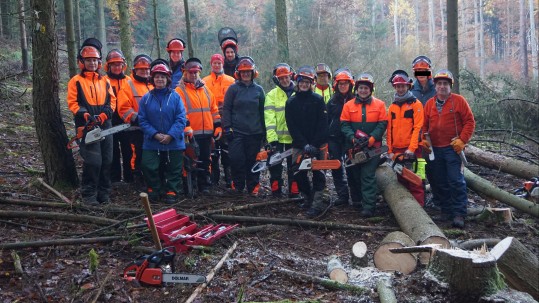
(51, 134)
(453, 41)
(523, 42)
(156, 29)
(481, 41)
(6, 30)
(125, 31)
(70, 38)
(188, 28)
(533, 43)
(432, 25)
(1, 21)
(22, 33)
(282, 29)
(476, 27)
(416, 24)
(395, 21)
(100, 24)
(76, 21)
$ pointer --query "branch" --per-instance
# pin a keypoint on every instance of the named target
(74, 206)
(324, 282)
(56, 216)
(512, 145)
(58, 242)
(57, 193)
(536, 141)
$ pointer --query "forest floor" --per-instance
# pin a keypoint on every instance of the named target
(62, 273)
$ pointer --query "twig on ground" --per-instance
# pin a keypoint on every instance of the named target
(70, 241)
(100, 290)
(57, 193)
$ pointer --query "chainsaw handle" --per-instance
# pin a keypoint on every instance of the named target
(401, 159)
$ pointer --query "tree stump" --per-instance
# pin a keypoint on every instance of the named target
(336, 271)
(359, 255)
(496, 215)
(388, 261)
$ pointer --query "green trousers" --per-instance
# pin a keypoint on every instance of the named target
(363, 178)
(162, 171)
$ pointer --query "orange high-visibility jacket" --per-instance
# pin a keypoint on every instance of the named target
(88, 92)
(117, 84)
(128, 99)
(201, 108)
(218, 84)
(404, 124)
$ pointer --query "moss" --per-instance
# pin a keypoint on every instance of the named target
(454, 232)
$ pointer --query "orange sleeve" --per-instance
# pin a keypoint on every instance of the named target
(112, 98)
(345, 114)
(125, 104)
(389, 138)
(214, 109)
(468, 120)
(72, 102)
(418, 124)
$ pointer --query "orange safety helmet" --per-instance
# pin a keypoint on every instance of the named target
(245, 64)
(229, 43)
(142, 61)
(282, 69)
(422, 66)
(115, 55)
(175, 44)
(305, 72)
(365, 79)
(444, 74)
(91, 48)
(343, 74)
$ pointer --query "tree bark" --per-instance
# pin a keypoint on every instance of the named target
(385, 292)
(70, 38)
(412, 218)
(282, 30)
(58, 242)
(188, 29)
(324, 282)
(432, 25)
(385, 260)
(519, 266)
(481, 42)
(533, 43)
(56, 216)
(511, 166)
(476, 27)
(523, 53)
(395, 21)
(67, 206)
(22, 33)
(453, 42)
(100, 25)
(156, 29)
(58, 160)
(477, 243)
(483, 186)
(125, 32)
(6, 24)
(76, 21)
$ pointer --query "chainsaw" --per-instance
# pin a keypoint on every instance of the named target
(314, 164)
(360, 152)
(268, 158)
(529, 190)
(91, 133)
(399, 166)
(158, 268)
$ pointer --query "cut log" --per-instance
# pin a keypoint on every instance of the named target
(336, 271)
(507, 165)
(387, 261)
(496, 214)
(385, 292)
(476, 243)
(412, 218)
(357, 290)
(519, 265)
(483, 186)
(359, 256)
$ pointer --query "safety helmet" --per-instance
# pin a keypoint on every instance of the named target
(89, 52)
(421, 63)
(192, 65)
(142, 61)
(343, 74)
(246, 64)
(229, 43)
(175, 44)
(443, 74)
(90, 48)
(323, 68)
(365, 79)
(282, 69)
(400, 77)
(217, 57)
(115, 56)
(160, 66)
(305, 72)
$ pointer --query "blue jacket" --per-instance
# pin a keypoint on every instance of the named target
(176, 74)
(421, 95)
(162, 111)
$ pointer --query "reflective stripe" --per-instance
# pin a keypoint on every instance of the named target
(197, 110)
(280, 109)
(271, 127)
(129, 112)
(203, 132)
(188, 100)
(134, 90)
(282, 132)
(269, 107)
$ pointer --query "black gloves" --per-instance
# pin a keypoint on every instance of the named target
(310, 150)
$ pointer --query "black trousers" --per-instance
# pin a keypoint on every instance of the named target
(276, 172)
(204, 158)
(242, 152)
(121, 157)
(336, 151)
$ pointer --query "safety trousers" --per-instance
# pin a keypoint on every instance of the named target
(242, 152)
(162, 171)
(276, 172)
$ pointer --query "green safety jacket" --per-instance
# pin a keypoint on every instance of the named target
(276, 129)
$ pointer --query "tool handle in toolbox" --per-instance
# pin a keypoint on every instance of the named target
(151, 223)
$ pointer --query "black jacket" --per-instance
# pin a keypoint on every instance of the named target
(307, 119)
(243, 109)
(334, 108)
(230, 66)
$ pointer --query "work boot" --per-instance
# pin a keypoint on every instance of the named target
(103, 199)
(340, 201)
(170, 197)
(254, 193)
(228, 177)
(458, 222)
(313, 213)
(294, 191)
(90, 201)
(307, 201)
(367, 213)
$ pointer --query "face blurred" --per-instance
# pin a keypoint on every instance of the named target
(190, 77)
(401, 89)
(91, 64)
(175, 56)
(422, 79)
(230, 54)
(116, 68)
(246, 75)
(304, 85)
(343, 86)
(142, 72)
(217, 66)
(284, 81)
(160, 80)
(443, 89)
(363, 91)
(322, 78)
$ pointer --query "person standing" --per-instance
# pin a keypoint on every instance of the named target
(323, 76)
(367, 114)
(307, 121)
(243, 123)
(175, 49)
(405, 120)
(91, 100)
(218, 82)
(423, 86)
(231, 57)
(450, 123)
(162, 119)
(203, 116)
(277, 133)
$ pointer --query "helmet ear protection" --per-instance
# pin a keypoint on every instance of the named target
(280, 70)
(115, 55)
(245, 64)
(90, 48)
(305, 72)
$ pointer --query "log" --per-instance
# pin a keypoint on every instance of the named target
(324, 282)
(412, 218)
(496, 214)
(476, 243)
(511, 166)
(336, 271)
(385, 292)
(385, 260)
(359, 256)
(483, 186)
(106, 208)
(519, 265)
(58, 242)
(56, 216)
(57, 193)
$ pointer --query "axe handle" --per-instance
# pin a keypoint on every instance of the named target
(153, 230)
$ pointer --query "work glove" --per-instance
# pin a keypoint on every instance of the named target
(101, 118)
(371, 141)
(89, 118)
(229, 134)
(458, 145)
(359, 141)
(408, 154)
(188, 132)
(217, 133)
(310, 150)
(426, 146)
(273, 146)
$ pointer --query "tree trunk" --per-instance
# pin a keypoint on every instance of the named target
(1, 21)
(388, 261)
(6, 24)
(22, 32)
(519, 266)
(188, 29)
(432, 24)
(442, 23)
(125, 32)
(483, 186)
(58, 160)
(359, 257)
(70, 38)
(76, 21)
(395, 22)
(156, 29)
(476, 27)
(58, 242)
(336, 271)
(523, 53)
(44, 215)
(416, 25)
(511, 166)
(453, 42)
(481, 42)
(282, 30)
(412, 218)
(101, 33)
(533, 43)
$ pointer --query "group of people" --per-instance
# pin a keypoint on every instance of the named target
(312, 111)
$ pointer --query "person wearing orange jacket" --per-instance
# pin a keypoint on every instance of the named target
(202, 115)
(128, 97)
(218, 82)
(404, 122)
(115, 66)
(450, 123)
(91, 100)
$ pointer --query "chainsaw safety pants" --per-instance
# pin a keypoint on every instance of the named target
(162, 171)
(336, 151)
(276, 172)
(95, 183)
(121, 157)
(242, 152)
(304, 184)
(362, 178)
(448, 175)
(204, 158)
(417, 191)
(220, 152)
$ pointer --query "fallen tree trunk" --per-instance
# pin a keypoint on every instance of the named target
(56, 216)
(511, 166)
(302, 223)
(476, 243)
(387, 261)
(412, 218)
(58, 242)
(106, 208)
(483, 186)
(324, 282)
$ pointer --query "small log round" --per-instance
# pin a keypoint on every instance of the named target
(359, 255)
(388, 261)
(336, 271)
(385, 292)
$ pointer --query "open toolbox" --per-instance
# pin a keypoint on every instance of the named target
(178, 230)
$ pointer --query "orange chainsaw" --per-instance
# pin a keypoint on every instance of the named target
(399, 166)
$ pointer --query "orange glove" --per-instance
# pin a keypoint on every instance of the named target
(217, 133)
(371, 141)
(188, 132)
(458, 145)
(102, 118)
(426, 146)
